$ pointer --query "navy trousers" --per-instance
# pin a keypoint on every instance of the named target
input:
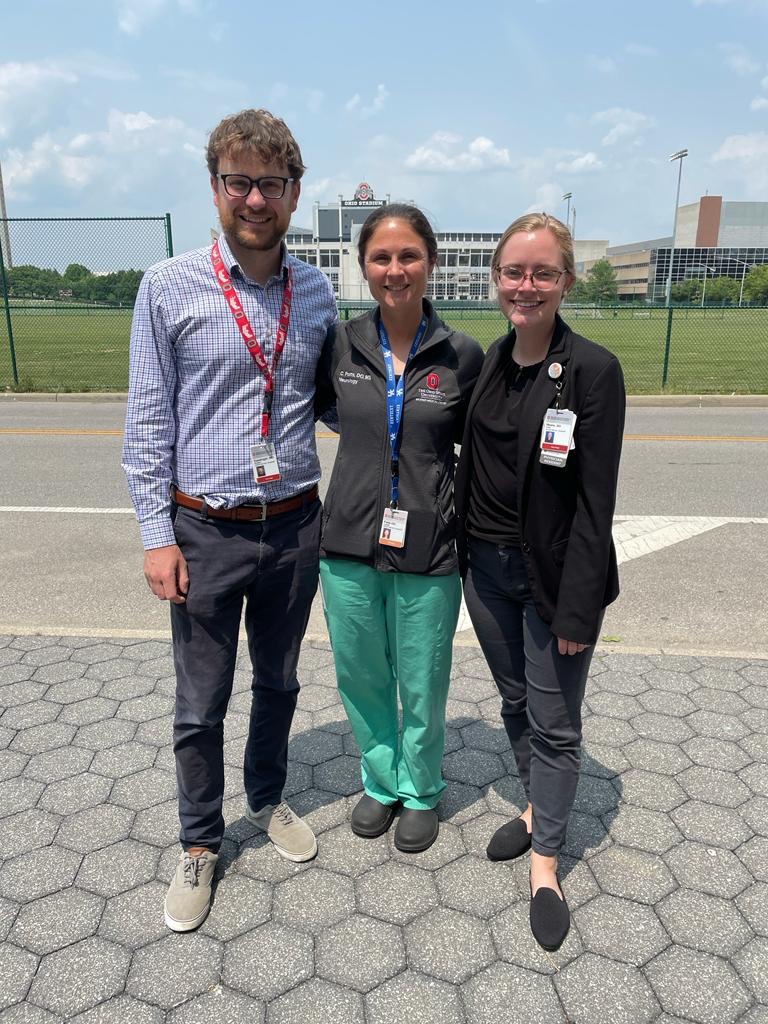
(272, 568)
(541, 689)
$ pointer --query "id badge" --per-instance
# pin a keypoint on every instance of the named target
(264, 462)
(393, 528)
(556, 436)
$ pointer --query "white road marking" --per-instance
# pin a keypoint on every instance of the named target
(635, 536)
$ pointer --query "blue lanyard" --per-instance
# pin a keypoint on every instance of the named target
(396, 398)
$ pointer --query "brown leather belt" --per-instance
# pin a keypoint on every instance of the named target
(245, 513)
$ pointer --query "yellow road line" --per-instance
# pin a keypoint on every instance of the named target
(329, 434)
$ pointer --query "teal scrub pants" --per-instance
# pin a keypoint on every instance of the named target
(392, 633)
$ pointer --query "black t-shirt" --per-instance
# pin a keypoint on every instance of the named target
(493, 512)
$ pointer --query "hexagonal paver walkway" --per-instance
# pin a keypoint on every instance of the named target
(665, 863)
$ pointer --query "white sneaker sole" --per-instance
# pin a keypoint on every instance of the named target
(185, 926)
(297, 858)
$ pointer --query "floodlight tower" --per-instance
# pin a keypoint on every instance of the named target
(680, 156)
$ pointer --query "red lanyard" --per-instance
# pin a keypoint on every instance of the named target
(249, 337)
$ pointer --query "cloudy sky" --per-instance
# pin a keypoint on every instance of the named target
(477, 112)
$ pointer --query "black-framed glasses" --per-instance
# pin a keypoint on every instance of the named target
(543, 278)
(240, 185)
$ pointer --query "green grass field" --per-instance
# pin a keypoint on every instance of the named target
(713, 351)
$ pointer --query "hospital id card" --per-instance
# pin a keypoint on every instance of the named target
(556, 436)
(264, 462)
(393, 526)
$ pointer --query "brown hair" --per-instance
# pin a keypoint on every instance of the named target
(412, 215)
(539, 222)
(257, 131)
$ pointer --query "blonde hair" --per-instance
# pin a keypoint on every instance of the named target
(539, 222)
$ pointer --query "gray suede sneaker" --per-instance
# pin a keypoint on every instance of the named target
(188, 899)
(291, 837)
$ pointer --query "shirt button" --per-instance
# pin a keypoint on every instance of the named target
(526, 547)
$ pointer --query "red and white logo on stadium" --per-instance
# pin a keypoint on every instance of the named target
(433, 381)
(363, 192)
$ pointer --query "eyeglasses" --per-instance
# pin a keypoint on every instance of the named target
(240, 185)
(543, 279)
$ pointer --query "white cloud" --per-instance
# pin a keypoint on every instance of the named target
(625, 124)
(744, 147)
(29, 90)
(355, 104)
(749, 155)
(759, 103)
(26, 88)
(129, 153)
(580, 162)
(441, 153)
(605, 65)
(134, 15)
(739, 59)
(549, 198)
(46, 157)
(320, 188)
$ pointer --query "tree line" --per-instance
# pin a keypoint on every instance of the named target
(601, 287)
(76, 283)
(725, 291)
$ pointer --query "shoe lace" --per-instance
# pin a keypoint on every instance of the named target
(284, 813)
(192, 867)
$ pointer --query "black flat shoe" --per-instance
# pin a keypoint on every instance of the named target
(550, 919)
(416, 830)
(509, 841)
(371, 818)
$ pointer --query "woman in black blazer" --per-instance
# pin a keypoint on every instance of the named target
(535, 494)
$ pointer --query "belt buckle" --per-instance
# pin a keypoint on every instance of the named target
(262, 505)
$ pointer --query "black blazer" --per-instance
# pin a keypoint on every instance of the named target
(566, 515)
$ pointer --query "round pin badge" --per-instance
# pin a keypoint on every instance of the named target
(555, 370)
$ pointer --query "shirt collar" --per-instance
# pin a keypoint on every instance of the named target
(230, 261)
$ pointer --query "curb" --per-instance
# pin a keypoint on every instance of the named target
(664, 401)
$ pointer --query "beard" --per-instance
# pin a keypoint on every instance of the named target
(255, 237)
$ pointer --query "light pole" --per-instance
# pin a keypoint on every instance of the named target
(747, 266)
(679, 155)
(340, 277)
(568, 196)
(705, 268)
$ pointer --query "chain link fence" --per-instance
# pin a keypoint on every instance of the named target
(67, 288)
(678, 350)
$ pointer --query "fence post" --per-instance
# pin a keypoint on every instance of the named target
(168, 236)
(665, 372)
(7, 304)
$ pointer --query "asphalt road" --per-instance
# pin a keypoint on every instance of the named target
(701, 472)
